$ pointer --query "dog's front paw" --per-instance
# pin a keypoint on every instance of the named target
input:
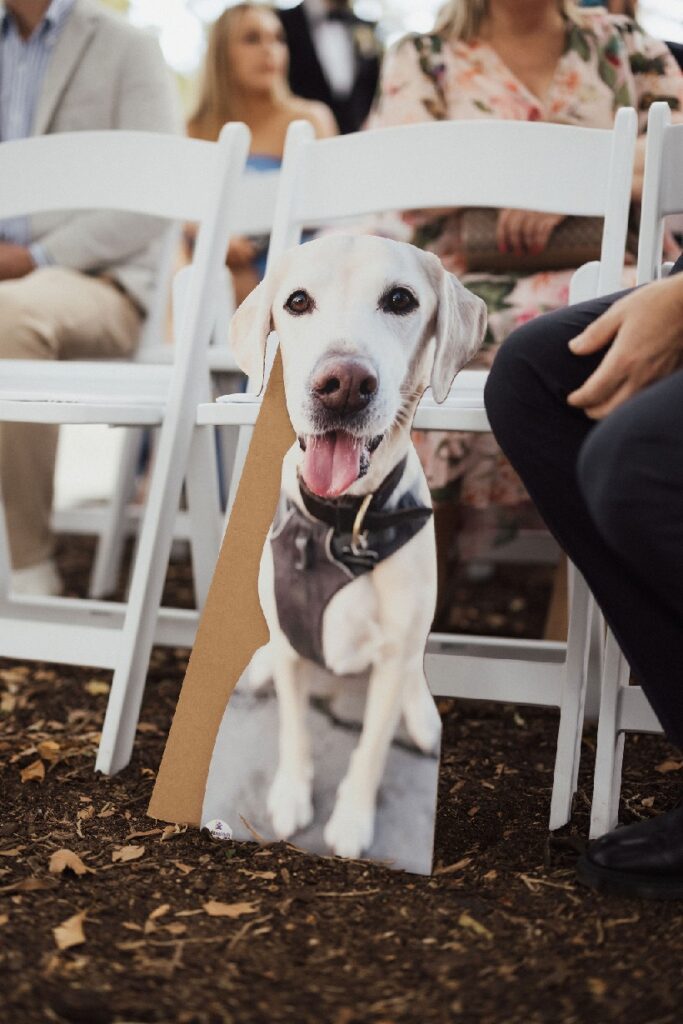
(351, 828)
(421, 718)
(289, 804)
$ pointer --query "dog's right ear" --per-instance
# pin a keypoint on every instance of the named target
(249, 329)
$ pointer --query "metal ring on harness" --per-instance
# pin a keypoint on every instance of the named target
(359, 540)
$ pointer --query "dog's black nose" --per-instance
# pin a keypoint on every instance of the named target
(344, 385)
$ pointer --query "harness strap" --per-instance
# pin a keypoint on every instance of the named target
(343, 513)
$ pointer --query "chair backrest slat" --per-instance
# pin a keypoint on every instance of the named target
(662, 188)
(534, 166)
(136, 172)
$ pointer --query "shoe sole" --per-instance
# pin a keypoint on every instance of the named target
(621, 883)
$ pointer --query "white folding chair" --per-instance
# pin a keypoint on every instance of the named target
(119, 517)
(624, 707)
(477, 163)
(168, 177)
(87, 519)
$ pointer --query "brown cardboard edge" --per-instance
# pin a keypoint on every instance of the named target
(231, 626)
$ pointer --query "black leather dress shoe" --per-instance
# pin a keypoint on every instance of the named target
(644, 860)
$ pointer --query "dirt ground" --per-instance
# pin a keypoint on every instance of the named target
(148, 923)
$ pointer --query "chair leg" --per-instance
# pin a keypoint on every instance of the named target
(572, 703)
(203, 504)
(112, 537)
(5, 558)
(610, 743)
(596, 659)
(240, 457)
(227, 439)
(144, 600)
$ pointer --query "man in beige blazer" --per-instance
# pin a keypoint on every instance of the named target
(71, 286)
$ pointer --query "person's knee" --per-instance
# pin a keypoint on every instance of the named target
(513, 379)
(509, 374)
(24, 334)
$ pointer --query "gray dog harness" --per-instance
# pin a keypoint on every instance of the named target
(315, 555)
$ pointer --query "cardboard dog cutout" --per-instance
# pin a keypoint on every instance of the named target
(326, 583)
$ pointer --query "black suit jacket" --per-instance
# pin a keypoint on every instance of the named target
(307, 78)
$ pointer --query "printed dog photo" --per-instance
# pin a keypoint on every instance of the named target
(332, 738)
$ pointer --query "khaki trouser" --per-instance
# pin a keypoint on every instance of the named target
(52, 313)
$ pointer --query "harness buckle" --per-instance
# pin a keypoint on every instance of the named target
(359, 536)
(301, 543)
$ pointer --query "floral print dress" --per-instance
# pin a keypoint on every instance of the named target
(608, 62)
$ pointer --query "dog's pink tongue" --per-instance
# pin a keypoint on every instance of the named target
(331, 463)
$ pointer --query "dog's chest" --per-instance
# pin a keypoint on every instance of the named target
(313, 586)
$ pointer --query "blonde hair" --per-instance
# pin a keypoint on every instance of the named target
(461, 19)
(217, 101)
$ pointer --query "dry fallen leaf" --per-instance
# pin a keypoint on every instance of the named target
(142, 835)
(34, 772)
(467, 921)
(597, 987)
(4, 918)
(215, 909)
(159, 912)
(184, 868)
(449, 868)
(96, 687)
(669, 766)
(174, 928)
(126, 853)
(172, 830)
(70, 932)
(30, 884)
(267, 875)
(67, 860)
(49, 750)
(150, 926)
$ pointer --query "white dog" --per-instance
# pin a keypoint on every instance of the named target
(348, 573)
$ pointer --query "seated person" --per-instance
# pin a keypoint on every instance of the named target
(72, 286)
(543, 61)
(245, 79)
(587, 403)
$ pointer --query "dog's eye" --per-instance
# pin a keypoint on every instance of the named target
(398, 301)
(299, 302)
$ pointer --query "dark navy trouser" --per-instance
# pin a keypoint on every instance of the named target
(610, 491)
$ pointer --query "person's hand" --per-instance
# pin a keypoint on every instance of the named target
(241, 252)
(522, 231)
(646, 331)
(15, 261)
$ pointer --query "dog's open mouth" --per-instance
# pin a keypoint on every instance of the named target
(335, 460)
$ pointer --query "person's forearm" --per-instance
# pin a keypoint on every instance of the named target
(95, 241)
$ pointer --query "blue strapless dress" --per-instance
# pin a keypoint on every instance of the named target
(262, 162)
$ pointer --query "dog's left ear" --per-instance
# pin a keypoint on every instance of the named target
(460, 326)
(249, 329)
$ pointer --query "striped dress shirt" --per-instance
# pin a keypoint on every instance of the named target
(22, 68)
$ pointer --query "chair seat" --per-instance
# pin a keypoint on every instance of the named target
(220, 358)
(462, 410)
(35, 391)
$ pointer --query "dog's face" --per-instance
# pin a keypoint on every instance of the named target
(363, 324)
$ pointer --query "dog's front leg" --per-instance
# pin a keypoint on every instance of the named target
(289, 798)
(351, 827)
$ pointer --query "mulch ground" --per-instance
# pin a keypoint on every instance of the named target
(170, 926)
